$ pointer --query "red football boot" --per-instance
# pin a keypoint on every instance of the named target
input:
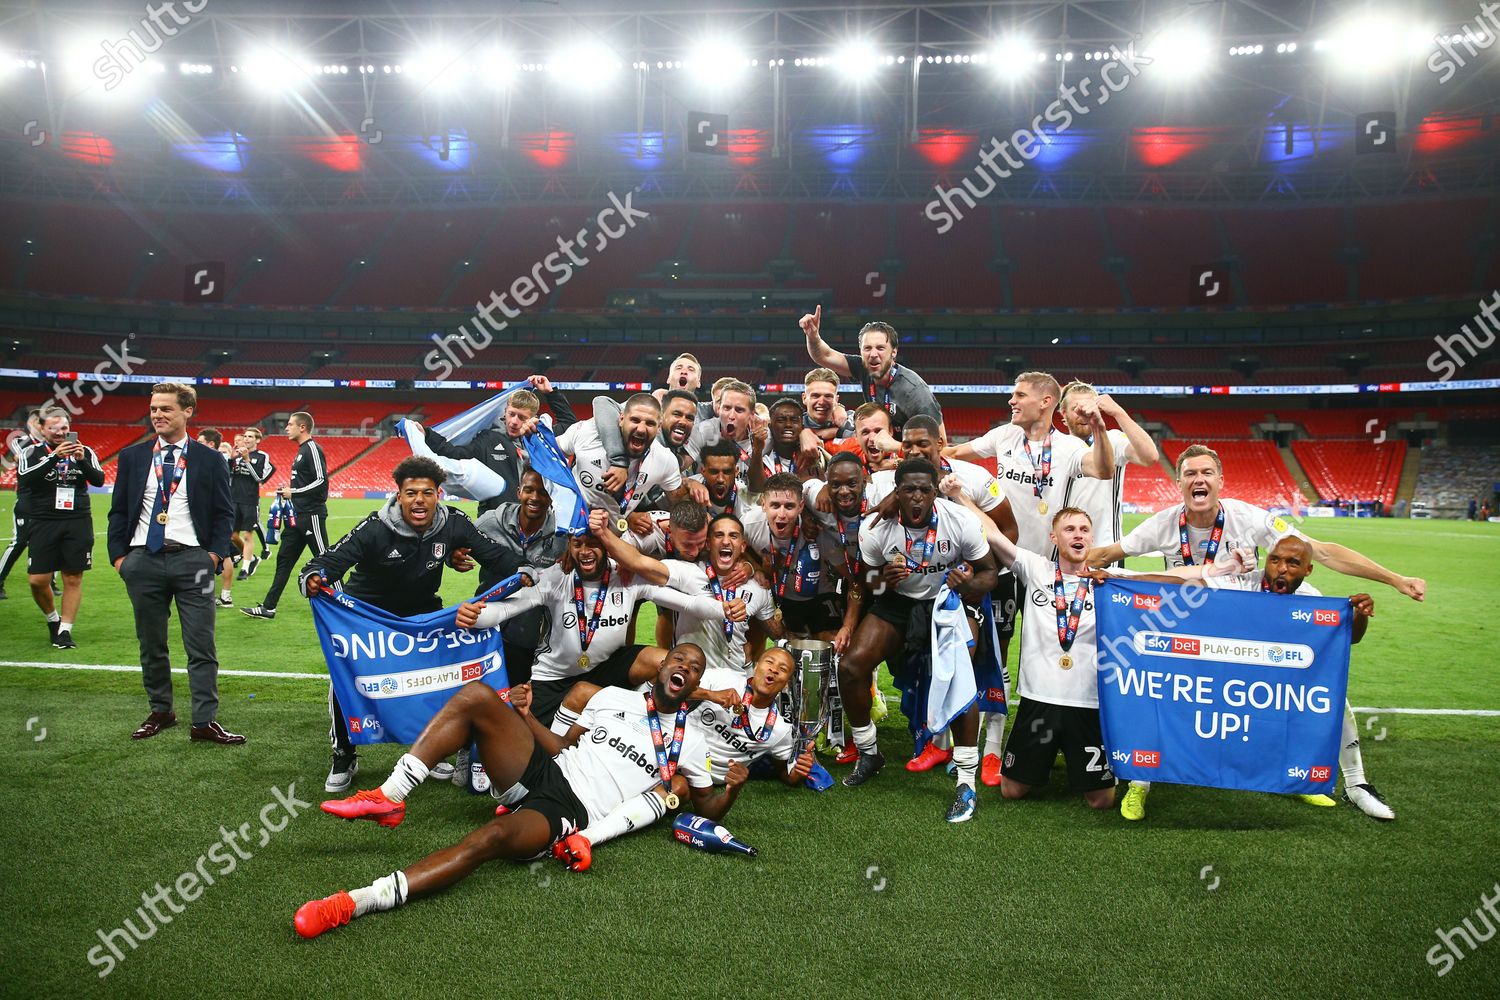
(575, 851)
(989, 770)
(368, 804)
(322, 915)
(931, 756)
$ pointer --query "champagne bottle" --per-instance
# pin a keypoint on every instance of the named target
(706, 835)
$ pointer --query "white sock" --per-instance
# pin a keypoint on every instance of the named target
(966, 759)
(1144, 786)
(943, 740)
(54, 617)
(408, 773)
(385, 893)
(864, 739)
(564, 721)
(64, 626)
(994, 733)
(1351, 761)
(225, 593)
(632, 814)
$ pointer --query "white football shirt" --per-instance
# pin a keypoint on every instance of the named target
(1042, 675)
(1100, 498)
(1017, 469)
(616, 760)
(979, 486)
(727, 744)
(658, 467)
(1246, 526)
(708, 633)
(557, 655)
(959, 538)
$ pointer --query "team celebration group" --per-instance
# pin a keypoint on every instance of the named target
(744, 522)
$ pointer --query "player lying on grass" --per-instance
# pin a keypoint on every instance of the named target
(1288, 564)
(640, 758)
(738, 721)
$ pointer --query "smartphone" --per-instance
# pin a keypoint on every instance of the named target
(72, 437)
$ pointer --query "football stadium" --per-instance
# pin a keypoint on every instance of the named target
(680, 499)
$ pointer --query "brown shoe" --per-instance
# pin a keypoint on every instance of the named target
(215, 733)
(155, 723)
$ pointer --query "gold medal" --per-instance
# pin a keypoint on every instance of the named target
(161, 518)
(1066, 662)
(776, 614)
(1041, 508)
(856, 592)
(583, 660)
(672, 800)
(623, 525)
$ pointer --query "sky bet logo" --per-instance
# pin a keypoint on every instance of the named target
(1158, 643)
(1317, 616)
(1138, 758)
(1317, 774)
(1149, 602)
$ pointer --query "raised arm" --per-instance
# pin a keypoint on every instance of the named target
(820, 352)
(1342, 559)
(1142, 448)
(1003, 548)
(625, 555)
(1100, 461)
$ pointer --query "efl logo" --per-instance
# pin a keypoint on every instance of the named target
(1318, 775)
(1330, 617)
(472, 672)
(1149, 602)
(1146, 758)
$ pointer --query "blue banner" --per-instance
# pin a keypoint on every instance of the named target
(1222, 688)
(392, 674)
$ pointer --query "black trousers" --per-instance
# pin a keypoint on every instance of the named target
(154, 582)
(20, 535)
(310, 532)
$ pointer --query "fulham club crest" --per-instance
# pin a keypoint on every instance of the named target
(438, 548)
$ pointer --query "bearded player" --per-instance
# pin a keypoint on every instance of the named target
(641, 757)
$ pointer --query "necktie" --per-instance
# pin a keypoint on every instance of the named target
(156, 532)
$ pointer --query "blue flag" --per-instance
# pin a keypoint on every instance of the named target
(990, 680)
(471, 479)
(392, 674)
(1222, 688)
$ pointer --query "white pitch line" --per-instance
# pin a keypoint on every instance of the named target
(118, 669)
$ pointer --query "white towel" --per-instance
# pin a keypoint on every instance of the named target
(950, 688)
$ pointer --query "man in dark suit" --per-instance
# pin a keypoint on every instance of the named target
(169, 522)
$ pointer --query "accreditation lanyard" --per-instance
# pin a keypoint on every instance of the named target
(1040, 472)
(721, 594)
(666, 756)
(586, 630)
(886, 399)
(1211, 550)
(631, 481)
(742, 720)
(928, 544)
(179, 469)
(1068, 614)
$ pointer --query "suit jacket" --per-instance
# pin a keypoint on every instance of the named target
(209, 503)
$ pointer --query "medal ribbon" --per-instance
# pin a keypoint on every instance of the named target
(1039, 479)
(1068, 614)
(928, 544)
(851, 563)
(793, 556)
(721, 595)
(885, 390)
(742, 719)
(1213, 539)
(586, 632)
(179, 469)
(666, 757)
(631, 479)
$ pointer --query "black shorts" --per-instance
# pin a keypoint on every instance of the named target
(824, 613)
(547, 696)
(548, 793)
(1041, 730)
(60, 544)
(1004, 598)
(894, 608)
(246, 516)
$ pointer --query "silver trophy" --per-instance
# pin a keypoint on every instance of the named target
(813, 686)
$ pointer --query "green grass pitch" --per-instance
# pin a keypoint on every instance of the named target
(862, 893)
